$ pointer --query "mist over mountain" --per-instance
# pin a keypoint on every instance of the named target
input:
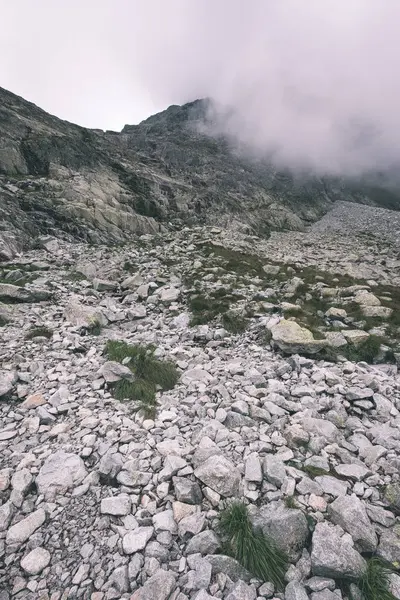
(171, 170)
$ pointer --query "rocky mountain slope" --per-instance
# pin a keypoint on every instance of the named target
(56, 177)
(145, 387)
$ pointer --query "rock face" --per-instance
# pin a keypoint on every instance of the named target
(107, 186)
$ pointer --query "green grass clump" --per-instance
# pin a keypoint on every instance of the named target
(42, 331)
(367, 351)
(94, 327)
(374, 583)
(250, 547)
(140, 391)
(313, 471)
(206, 308)
(150, 374)
(290, 502)
(234, 323)
(240, 263)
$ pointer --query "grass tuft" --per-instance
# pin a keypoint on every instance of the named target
(234, 323)
(94, 327)
(367, 351)
(374, 583)
(290, 502)
(140, 391)
(250, 547)
(150, 374)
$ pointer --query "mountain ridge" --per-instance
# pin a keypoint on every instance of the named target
(91, 185)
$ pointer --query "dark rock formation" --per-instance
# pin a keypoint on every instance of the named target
(59, 178)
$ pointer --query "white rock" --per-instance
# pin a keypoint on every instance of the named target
(37, 560)
(116, 505)
(22, 531)
(136, 540)
(60, 472)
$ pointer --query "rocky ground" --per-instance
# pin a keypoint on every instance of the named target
(288, 397)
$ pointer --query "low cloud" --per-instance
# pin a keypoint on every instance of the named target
(313, 83)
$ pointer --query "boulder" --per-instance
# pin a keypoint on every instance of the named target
(355, 336)
(333, 556)
(274, 470)
(83, 316)
(37, 560)
(349, 512)
(288, 528)
(113, 371)
(14, 293)
(290, 337)
(158, 587)
(22, 531)
(7, 381)
(60, 472)
(220, 475)
(228, 565)
(136, 540)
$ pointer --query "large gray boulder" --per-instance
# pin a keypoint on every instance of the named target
(274, 470)
(333, 556)
(113, 371)
(228, 565)
(288, 528)
(389, 545)
(14, 293)
(60, 472)
(290, 337)
(81, 315)
(158, 587)
(349, 512)
(220, 475)
(295, 591)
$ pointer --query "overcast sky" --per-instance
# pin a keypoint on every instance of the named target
(316, 80)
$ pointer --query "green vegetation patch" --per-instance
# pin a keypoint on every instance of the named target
(367, 351)
(150, 374)
(250, 547)
(41, 331)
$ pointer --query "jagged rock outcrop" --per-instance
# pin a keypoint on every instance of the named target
(167, 171)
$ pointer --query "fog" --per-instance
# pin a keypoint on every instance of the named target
(314, 83)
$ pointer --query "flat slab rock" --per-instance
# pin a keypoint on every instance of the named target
(290, 337)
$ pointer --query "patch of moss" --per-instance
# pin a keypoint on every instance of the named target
(41, 331)
(75, 276)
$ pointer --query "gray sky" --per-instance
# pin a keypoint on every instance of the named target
(316, 80)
